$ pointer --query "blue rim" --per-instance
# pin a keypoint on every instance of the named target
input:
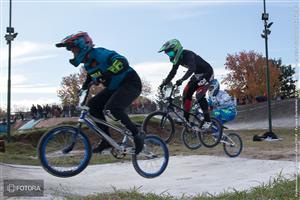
(49, 137)
(166, 158)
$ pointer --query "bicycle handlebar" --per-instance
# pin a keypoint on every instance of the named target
(173, 88)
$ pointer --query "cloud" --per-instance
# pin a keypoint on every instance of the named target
(25, 104)
(15, 78)
(220, 73)
(155, 72)
(25, 52)
(18, 86)
(29, 89)
(22, 61)
(35, 90)
(295, 65)
(31, 92)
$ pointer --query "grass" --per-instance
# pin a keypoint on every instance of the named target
(19, 153)
(277, 189)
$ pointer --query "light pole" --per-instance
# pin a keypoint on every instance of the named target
(10, 36)
(266, 32)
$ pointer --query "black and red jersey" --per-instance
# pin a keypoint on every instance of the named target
(195, 65)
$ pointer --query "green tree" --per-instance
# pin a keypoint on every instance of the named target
(70, 86)
(287, 82)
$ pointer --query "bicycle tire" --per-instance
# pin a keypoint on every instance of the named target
(139, 160)
(169, 134)
(215, 134)
(42, 145)
(188, 135)
(239, 140)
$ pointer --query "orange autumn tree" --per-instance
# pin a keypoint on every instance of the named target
(247, 75)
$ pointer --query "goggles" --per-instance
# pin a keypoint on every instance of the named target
(170, 53)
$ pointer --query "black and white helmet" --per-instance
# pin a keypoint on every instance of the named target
(214, 87)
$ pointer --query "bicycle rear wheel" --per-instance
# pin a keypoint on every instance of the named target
(161, 124)
(190, 136)
(232, 144)
(153, 159)
(212, 137)
(64, 151)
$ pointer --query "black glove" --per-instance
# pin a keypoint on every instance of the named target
(162, 85)
(82, 95)
(79, 92)
(179, 82)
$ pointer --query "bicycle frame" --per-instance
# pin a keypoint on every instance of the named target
(171, 106)
(90, 121)
(229, 140)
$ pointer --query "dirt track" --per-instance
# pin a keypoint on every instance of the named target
(189, 175)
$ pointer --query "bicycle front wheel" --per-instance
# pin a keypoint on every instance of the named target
(161, 124)
(190, 136)
(153, 159)
(232, 144)
(64, 151)
(212, 137)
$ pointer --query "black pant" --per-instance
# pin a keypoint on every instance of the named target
(117, 101)
(188, 92)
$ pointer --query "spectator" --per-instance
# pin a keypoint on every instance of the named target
(39, 111)
(21, 116)
(72, 110)
(33, 112)
(47, 110)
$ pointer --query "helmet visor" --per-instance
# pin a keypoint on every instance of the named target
(171, 53)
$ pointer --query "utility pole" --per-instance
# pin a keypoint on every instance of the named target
(266, 32)
(10, 36)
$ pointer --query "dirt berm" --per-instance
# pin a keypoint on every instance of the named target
(255, 116)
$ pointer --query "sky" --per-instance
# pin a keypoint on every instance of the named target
(136, 29)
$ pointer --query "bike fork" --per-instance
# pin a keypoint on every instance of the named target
(74, 139)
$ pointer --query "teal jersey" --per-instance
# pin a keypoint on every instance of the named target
(107, 65)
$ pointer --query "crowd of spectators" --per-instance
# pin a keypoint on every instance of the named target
(47, 111)
(54, 111)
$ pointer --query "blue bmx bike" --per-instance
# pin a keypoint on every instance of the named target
(65, 151)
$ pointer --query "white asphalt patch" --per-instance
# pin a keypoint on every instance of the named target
(185, 175)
